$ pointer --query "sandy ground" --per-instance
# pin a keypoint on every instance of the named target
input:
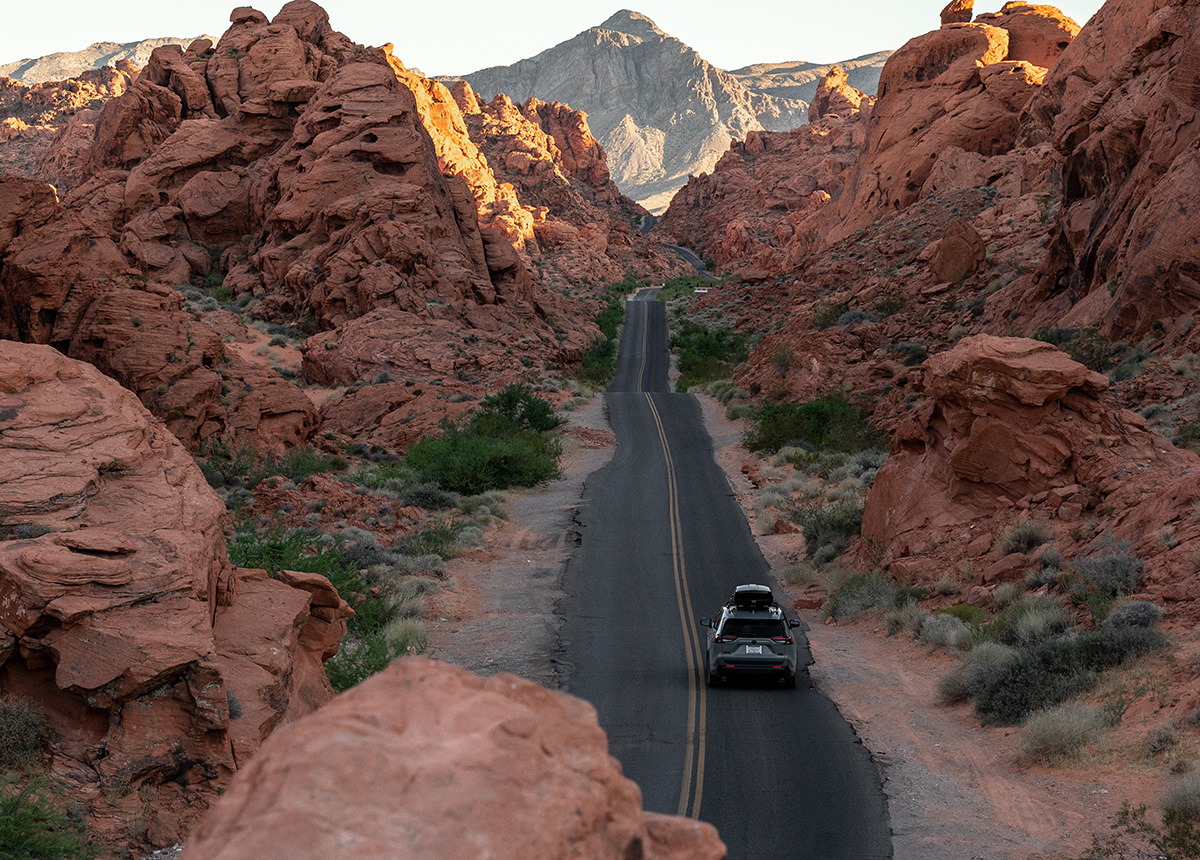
(954, 788)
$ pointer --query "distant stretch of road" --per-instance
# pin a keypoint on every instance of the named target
(692, 260)
(779, 772)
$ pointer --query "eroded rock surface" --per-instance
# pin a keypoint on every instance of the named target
(160, 665)
(446, 764)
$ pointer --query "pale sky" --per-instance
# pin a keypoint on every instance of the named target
(461, 37)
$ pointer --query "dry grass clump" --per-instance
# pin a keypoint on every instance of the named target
(22, 732)
(947, 630)
(1023, 537)
(1057, 734)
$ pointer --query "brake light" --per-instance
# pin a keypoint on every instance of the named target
(786, 640)
(724, 638)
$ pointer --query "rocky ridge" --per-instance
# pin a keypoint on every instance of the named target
(64, 65)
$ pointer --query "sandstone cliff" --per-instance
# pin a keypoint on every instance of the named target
(660, 110)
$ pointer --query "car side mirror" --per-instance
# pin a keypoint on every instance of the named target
(794, 622)
(706, 622)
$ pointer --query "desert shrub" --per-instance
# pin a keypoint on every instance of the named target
(31, 825)
(828, 527)
(967, 613)
(910, 594)
(1059, 733)
(428, 496)
(223, 466)
(1031, 618)
(1134, 835)
(1038, 577)
(1183, 796)
(830, 423)
(706, 354)
(1111, 573)
(599, 362)
(1023, 537)
(1160, 739)
(944, 629)
(826, 313)
(22, 732)
(1048, 673)
(906, 616)
(440, 540)
(515, 409)
(304, 463)
(1007, 593)
(467, 463)
(1134, 613)
(1051, 559)
(856, 317)
(984, 662)
(1034, 680)
(946, 586)
(861, 593)
(395, 474)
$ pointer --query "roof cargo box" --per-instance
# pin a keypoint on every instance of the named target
(752, 597)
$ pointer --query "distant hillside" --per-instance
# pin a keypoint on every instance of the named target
(661, 110)
(798, 80)
(70, 64)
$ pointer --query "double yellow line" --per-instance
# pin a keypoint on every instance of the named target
(692, 789)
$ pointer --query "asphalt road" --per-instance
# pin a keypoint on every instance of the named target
(779, 772)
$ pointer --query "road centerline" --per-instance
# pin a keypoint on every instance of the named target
(697, 719)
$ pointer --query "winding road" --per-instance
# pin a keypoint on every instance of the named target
(779, 772)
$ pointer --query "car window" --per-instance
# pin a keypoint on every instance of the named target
(752, 628)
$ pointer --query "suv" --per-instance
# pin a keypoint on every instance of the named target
(752, 637)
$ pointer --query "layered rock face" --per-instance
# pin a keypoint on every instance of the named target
(1015, 430)
(758, 208)
(520, 771)
(158, 663)
(657, 134)
(1121, 108)
(328, 187)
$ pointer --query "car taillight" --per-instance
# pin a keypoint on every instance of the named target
(724, 638)
(786, 640)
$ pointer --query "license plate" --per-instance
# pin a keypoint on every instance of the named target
(753, 649)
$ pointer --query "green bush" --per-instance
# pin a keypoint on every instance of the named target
(466, 463)
(1111, 573)
(31, 825)
(22, 733)
(861, 593)
(830, 423)
(1133, 835)
(1028, 619)
(1060, 733)
(828, 527)
(514, 410)
(706, 354)
(967, 613)
(985, 662)
(1023, 537)
(431, 497)
(440, 540)
(599, 363)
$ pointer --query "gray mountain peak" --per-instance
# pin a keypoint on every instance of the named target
(632, 24)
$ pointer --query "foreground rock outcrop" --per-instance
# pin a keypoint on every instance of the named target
(161, 667)
(428, 760)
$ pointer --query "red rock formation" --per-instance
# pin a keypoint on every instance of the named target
(158, 663)
(1013, 429)
(958, 12)
(526, 771)
(1036, 34)
(1119, 108)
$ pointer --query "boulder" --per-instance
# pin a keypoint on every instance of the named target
(428, 760)
(1036, 34)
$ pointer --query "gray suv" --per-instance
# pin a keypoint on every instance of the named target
(751, 638)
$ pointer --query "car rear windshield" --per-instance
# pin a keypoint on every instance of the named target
(752, 628)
